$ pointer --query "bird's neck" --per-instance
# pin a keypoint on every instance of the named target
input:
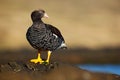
(38, 21)
(39, 24)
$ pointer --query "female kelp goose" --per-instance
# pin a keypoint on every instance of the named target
(43, 37)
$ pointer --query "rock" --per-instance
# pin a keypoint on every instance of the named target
(15, 66)
(53, 71)
(5, 68)
(40, 67)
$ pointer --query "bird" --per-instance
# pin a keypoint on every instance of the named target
(44, 37)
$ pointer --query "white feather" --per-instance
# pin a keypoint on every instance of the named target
(63, 45)
(55, 35)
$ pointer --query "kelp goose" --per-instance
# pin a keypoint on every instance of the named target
(43, 37)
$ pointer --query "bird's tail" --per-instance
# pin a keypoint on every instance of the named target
(63, 46)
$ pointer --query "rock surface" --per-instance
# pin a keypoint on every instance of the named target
(53, 71)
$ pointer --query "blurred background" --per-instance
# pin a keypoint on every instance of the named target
(91, 29)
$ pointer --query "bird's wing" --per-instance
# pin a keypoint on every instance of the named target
(55, 31)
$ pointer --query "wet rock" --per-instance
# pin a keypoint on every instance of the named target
(53, 71)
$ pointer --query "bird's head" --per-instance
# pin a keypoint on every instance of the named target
(36, 15)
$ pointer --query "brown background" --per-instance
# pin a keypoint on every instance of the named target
(83, 23)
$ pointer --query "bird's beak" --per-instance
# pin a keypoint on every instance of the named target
(45, 15)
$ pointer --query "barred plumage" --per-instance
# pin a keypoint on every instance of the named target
(43, 36)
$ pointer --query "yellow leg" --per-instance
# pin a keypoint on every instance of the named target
(48, 58)
(38, 60)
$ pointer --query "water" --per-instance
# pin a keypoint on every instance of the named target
(106, 68)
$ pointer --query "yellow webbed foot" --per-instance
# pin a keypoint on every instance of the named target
(38, 60)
